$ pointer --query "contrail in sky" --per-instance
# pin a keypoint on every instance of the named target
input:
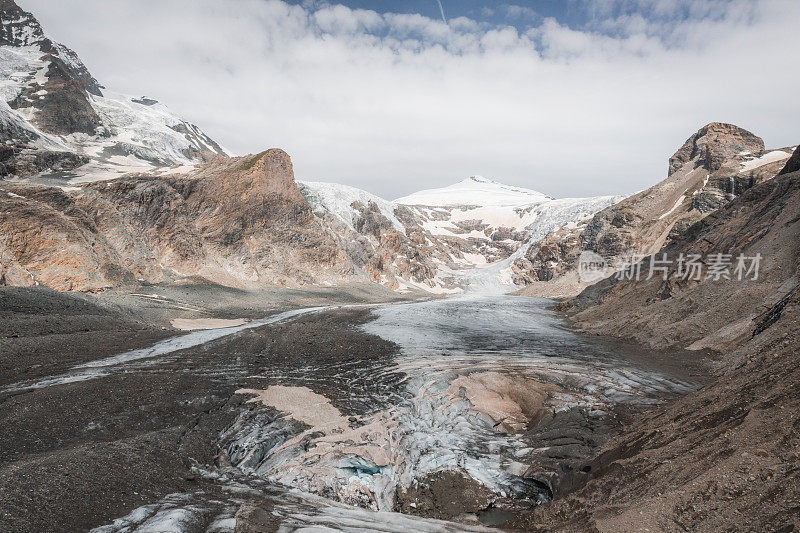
(441, 8)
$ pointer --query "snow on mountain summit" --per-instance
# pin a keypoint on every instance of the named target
(58, 123)
(475, 191)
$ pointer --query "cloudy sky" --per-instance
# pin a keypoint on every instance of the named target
(572, 97)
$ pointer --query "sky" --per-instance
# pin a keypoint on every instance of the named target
(571, 98)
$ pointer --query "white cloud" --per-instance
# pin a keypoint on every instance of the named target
(393, 103)
(514, 11)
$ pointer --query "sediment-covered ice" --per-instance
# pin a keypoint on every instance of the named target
(477, 371)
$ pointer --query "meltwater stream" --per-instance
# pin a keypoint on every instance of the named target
(485, 387)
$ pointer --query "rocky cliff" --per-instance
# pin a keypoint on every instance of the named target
(713, 145)
(239, 222)
(715, 165)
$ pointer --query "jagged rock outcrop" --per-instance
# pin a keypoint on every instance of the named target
(715, 165)
(713, 144)
(61, 104)
(793, 164)
(29, 162)
(240, 222)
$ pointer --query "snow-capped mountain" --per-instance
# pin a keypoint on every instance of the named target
(483, 219)
(57, 121)
(59, 127)
(443, 240)
(474, 191)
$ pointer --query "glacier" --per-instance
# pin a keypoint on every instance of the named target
(473, 230)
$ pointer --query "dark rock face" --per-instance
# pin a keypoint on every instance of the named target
(793, 164)
(65, 107)
(706, 202)
(602, 236)
(145, 101)
(24, 163)
(714, 143)
(18, 27)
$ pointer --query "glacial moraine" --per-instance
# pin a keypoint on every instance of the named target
(463, 409)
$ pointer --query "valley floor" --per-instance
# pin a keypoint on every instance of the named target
(78, 455)
(158, 437)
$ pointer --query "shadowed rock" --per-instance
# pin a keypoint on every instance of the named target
(793, 164)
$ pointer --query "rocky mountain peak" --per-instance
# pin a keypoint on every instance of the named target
(268, 172)
(713, 144)
(475, 191)
(479, 179)
(274, 164)
(18, 27)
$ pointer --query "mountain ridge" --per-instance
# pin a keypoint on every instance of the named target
(723, 457)
(59, 127)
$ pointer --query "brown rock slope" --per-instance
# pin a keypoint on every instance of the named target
(716, 164)
(727, 457)
(238, 222)
(709, 313)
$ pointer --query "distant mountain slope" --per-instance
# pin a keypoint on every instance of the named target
(58, 123)
(443, 240)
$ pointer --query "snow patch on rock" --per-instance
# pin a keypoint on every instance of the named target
(338, 200)
(769, 157)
